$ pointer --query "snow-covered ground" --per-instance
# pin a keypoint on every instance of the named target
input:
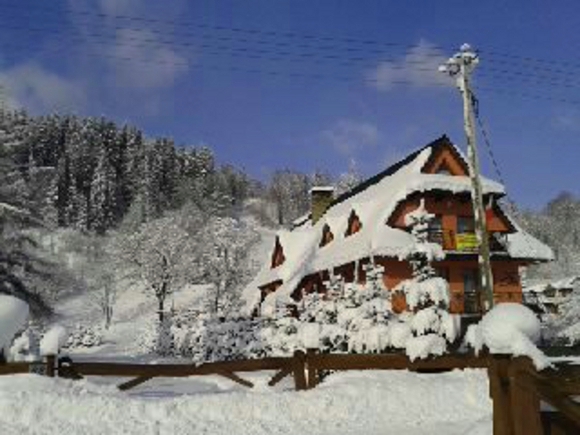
(393, 402)
(135, 310)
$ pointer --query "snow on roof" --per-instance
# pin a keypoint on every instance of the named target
(523, 245)
(322, 189)
(373, 203)
(541, 286)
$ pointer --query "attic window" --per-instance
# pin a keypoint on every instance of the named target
(445, 160)
(278, 257)
(354, 224)
(327, 236)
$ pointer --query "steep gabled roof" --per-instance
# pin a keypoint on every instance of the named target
(389, 171)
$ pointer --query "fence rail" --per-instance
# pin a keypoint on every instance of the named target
(517, 389)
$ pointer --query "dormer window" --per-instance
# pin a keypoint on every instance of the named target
(278, 257)
(327, 236)
(354, 224)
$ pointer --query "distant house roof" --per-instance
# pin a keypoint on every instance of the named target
(373, 201)
(541, 286)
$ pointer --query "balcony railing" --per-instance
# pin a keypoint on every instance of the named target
(464, 242)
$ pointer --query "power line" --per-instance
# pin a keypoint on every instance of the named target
(176, 23)
(292, 35)
(401, 82)
(318, 58)
(245, 52)
(475, 105)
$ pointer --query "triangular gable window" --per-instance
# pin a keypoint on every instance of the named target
(445, 160)
(278, 257)
(354, 224)
(327, 236)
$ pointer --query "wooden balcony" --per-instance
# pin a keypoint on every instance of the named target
(464, 242)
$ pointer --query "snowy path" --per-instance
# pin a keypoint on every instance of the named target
(349, 403)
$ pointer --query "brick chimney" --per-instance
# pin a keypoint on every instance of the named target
(321, 197)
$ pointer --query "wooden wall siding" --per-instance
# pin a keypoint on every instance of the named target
(449, 207)
(278, 257)
(507, 285)
(354, 224)
(445, 156)
(327, 236)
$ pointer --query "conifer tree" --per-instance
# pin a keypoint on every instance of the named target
(426, 294)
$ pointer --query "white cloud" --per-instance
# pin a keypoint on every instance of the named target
(418, 68)
(140, 61)
(567, 120)
(349, 137)
(39, 90)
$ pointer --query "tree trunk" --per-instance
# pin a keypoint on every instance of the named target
(161, 308)
(217, 297)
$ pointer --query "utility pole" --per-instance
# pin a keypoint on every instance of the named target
(460, 67)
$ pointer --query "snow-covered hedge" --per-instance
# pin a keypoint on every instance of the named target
(83, 336)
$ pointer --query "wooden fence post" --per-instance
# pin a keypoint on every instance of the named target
(499, 391)
(50, 365)
(525, 402)
(312, 370)
(299, 367)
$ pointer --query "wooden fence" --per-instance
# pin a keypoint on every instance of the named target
(521, 395)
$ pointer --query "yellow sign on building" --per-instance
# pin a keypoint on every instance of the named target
(466, 242)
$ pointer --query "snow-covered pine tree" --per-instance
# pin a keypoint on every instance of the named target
(18, 259)
(427, 295)
(103, 195)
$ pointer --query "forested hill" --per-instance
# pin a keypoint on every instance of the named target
(90, 173)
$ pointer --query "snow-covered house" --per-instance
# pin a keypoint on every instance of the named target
(547, 297)
(366, 224)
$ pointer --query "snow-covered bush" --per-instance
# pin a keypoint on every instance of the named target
(350, 317)
(426, 294)
(509, 328)
(209, 338)
(83, 336)
(164, 341)
(53, 340)
(13, 316)
(26, 346)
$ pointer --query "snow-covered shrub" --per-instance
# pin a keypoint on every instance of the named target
(280, 330)
(83, 336)
(206, 338)
(348, 318)
(426, 294)
(509, 328)
(13, 316)
(53, 340)
(164, 342)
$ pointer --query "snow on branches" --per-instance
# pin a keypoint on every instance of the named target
(427, 295)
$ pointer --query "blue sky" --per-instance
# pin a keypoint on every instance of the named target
(285, 84)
